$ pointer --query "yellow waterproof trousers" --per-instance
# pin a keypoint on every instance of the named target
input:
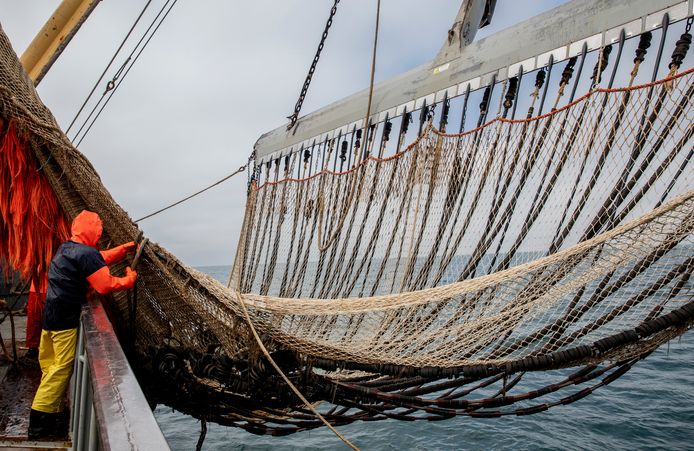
(56, 357)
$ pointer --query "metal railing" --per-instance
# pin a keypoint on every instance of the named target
(109, 410)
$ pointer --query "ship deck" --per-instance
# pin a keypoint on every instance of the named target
(18, 383)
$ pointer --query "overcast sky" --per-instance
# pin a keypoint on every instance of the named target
(217, 75)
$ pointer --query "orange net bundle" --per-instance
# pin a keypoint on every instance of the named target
(32, 224)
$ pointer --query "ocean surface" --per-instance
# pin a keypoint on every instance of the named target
(650, 407)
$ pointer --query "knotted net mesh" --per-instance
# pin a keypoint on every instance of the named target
(538, 244)
(515, 239)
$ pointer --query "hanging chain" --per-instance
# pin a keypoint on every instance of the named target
(297, 108)
(688, 28)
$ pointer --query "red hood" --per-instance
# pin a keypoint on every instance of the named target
(86, 228)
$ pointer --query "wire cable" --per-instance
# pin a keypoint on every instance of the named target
(123, 71)
(239, 170)
(89, 96)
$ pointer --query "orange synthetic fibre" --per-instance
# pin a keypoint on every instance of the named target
(32, 224)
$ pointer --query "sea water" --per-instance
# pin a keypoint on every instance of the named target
(650, 407)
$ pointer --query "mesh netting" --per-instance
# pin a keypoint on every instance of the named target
(539, 244)
(425, 239)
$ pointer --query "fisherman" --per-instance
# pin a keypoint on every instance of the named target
(76, 265)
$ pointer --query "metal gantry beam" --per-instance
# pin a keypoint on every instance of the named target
(54, 36)
(560, 33)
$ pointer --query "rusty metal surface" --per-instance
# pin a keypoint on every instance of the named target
(124, 418)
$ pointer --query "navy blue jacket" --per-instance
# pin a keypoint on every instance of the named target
(67, 284)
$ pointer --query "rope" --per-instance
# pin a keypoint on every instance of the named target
(224, 179)
(203, 433)
(529, 119)
(324, 246)
(373, 71)
(284, 376)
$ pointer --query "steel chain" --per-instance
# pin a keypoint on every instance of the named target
(304, 90)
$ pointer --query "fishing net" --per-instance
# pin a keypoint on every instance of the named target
(507, 241)
(404, 286)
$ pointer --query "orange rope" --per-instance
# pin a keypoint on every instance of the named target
(487, 124)
(363, 162)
